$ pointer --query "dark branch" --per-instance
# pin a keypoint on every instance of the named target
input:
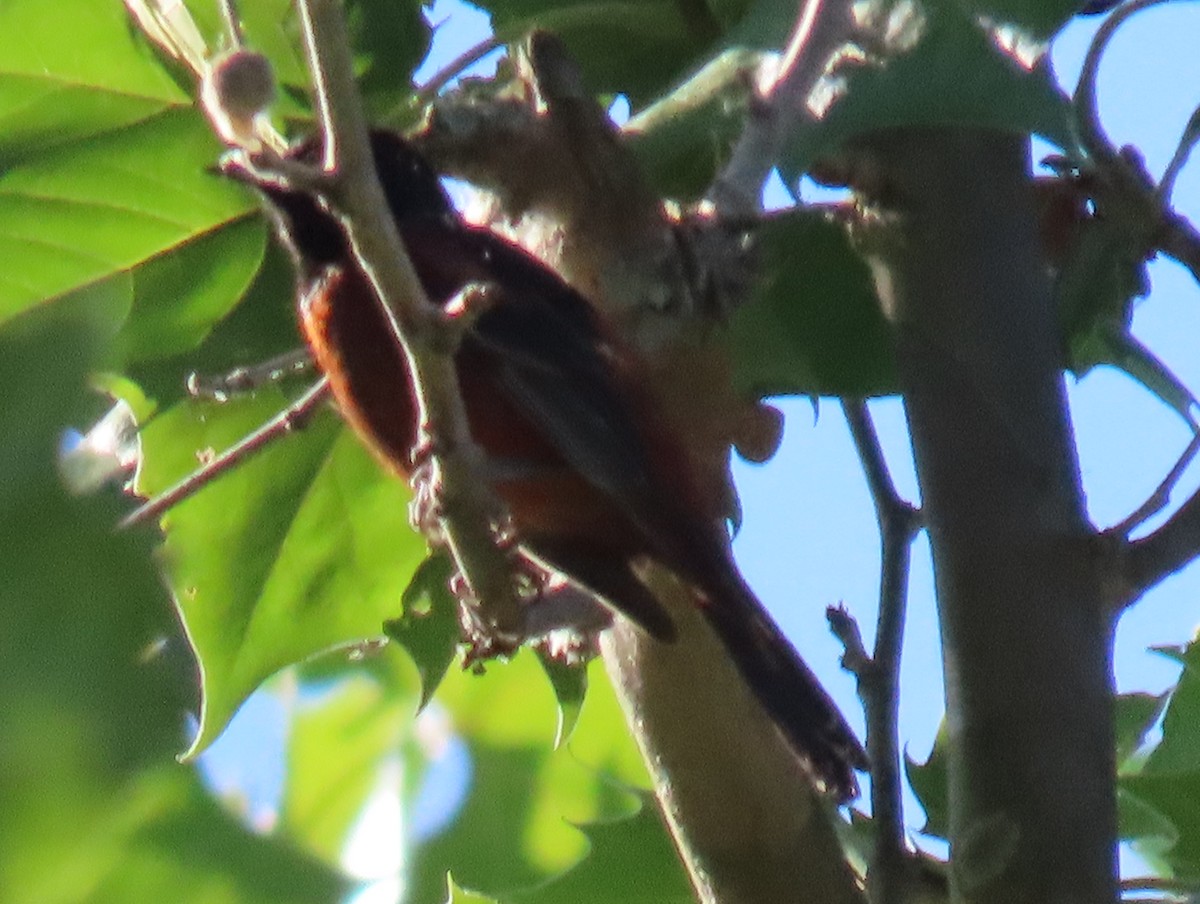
(349, 183)
(1123, 177)
(822, 28)
(1163, 552)
(1158, 500)
(878, 675)
(291, 418)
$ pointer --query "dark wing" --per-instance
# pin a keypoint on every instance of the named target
(551, 358)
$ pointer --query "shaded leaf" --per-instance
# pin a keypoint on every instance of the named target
(1136, 714)
(93, 806)
(390, 38)
(930, 781)
(684, 137)
(815, 326)
(1179, 749)
(428, 626)
(180, 295)
(1176, 796)
(955, 75)
(569, 681)
(632, 49)
(1138, 821)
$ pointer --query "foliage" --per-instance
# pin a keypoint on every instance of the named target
(127, 257)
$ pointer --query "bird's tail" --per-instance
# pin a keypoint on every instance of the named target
(785, 686)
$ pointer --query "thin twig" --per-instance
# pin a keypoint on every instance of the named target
(1092, 137)
(1122, 175)
(232, 20)
(1158, 500)
(1183, 151)
(1162, 552)
(1169, 885)
(247, 378)
(352, 188)
(1181, 242)
(429, 91)
(291, 418)
(822, 27)
(879, 675)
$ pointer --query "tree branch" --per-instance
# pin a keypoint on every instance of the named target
(890, 877)
(1164, 551)
(1161, 497)
(822, 27)
(749, 825)
(351, 186)
(291, 418)
(1025, 626)
(1122, 181)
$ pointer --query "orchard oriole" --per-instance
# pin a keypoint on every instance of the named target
(574, 447)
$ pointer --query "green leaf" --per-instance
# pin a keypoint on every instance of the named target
(930, 781)
(94, 681)
(632, 48)
(93, 210)
(73, 69)
(631, 859)
(342, 737)
(390, 38)
(258, 327)
(684, 137)
(300, 549)
(461, 896)
(428, 627)
(1040, 18)
(1136, 714)
(955, 75)
(180, 295)
(1138, 821)
(513, 830)
(1176, 796)
(569, 681)
(815, 326)
(1179, 749)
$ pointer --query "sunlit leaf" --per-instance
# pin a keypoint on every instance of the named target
(73, 69)
(631, 859)
(302, 548)
(343, 739)
(94, 209)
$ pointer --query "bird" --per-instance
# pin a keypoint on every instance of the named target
(592, 481)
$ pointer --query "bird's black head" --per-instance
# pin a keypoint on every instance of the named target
(410, 184)
(310, 232)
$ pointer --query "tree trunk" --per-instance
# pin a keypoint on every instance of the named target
(1026, 641)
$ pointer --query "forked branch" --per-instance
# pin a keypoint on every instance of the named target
(878, 674)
